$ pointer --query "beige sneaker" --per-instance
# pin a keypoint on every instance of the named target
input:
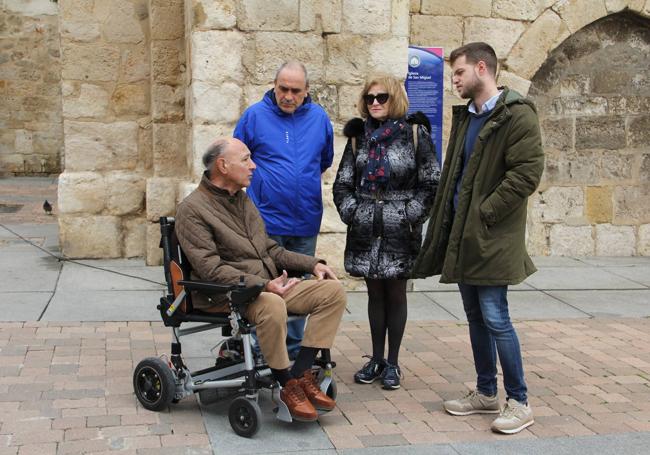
(514, 418)
(472, 403)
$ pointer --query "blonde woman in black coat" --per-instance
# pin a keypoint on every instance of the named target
(384, 189)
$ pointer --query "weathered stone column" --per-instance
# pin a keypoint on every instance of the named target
(31, 134)
(107, 131)
(168, 85)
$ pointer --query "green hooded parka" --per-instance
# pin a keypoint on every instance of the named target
(484, 243)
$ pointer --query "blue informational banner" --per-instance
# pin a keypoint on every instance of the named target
(424, 86)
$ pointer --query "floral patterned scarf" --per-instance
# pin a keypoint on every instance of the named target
(377, 172)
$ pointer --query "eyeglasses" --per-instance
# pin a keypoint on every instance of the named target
(380, 97)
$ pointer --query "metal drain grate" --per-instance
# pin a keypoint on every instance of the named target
(10, 208)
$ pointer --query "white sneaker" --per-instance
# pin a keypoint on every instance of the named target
(472, 403)
(514, 417)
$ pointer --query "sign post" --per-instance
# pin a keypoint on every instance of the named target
(424, 86)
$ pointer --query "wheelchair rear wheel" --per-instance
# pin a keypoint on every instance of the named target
(154, 384)
(245, 416)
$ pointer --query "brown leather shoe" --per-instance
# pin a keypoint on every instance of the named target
(299, 406)
(315, 395)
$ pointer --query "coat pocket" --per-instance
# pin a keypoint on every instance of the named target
(399, 235)
(360, 228)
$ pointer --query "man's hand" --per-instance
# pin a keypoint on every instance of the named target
(281, 285)
(322, 271)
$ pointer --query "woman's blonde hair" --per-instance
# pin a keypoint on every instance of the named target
(398, 102)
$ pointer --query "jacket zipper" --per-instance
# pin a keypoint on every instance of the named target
(295, 160)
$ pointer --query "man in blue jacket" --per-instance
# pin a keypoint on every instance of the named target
(291, 142)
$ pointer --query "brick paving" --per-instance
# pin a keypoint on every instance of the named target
(585, 377)
(66, 388)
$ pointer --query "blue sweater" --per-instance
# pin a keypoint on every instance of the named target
(476, 122)
(290, 151)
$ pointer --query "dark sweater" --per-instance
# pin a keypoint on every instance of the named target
(476, 122)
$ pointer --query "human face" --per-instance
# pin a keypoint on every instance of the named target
(465, 78)
(290, 89)
(376, 110)
(238, 165)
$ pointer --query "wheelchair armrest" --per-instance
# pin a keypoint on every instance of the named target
(243, 295)
(239, 294)
(208, 287)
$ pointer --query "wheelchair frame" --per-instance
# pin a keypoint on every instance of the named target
(161, 381)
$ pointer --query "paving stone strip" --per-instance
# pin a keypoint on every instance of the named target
(66, 387)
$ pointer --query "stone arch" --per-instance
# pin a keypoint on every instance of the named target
(554, 25)
(593, 99)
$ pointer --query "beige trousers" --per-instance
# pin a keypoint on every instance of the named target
(323, 300)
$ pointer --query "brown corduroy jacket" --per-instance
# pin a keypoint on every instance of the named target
(224, 238)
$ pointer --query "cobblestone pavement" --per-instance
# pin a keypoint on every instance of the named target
(66, 388)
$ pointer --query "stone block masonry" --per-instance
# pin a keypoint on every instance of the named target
(340, 42)
(107, 75)
(31, 133)
(594, 129)
(124, 96)
(596, 139)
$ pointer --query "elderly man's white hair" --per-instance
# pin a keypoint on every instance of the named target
(213, 152)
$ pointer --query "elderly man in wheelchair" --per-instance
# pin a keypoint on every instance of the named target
(235, 271)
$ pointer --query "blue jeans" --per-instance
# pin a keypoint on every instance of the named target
(295, 329)
(490, 331)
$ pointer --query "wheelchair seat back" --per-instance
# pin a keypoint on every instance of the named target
(175, 310)
(176, 265)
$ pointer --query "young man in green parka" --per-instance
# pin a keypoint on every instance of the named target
(476, 236)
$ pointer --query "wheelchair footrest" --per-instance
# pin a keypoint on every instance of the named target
(281, 411)
(320, 362)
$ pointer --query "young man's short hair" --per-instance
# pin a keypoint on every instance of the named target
(476, 52)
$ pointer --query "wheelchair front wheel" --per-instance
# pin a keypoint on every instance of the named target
(154, 384)
(245, 416)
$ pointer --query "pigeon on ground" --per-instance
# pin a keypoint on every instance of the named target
(47, 207)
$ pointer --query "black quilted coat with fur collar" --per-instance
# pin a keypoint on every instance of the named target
(385, 230)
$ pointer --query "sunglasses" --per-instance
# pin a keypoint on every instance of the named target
(380, 97)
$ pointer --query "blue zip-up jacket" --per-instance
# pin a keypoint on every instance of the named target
(291, 152)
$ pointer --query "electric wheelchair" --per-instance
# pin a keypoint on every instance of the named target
(238, 372)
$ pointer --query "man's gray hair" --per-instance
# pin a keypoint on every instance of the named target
(213, 152)
(292, 64)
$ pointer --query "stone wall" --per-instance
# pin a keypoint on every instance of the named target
(105, 81)
(31, 134)
(593, 96)
(168, 94)
(235, 47)
(592, 198)
(147, 84)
